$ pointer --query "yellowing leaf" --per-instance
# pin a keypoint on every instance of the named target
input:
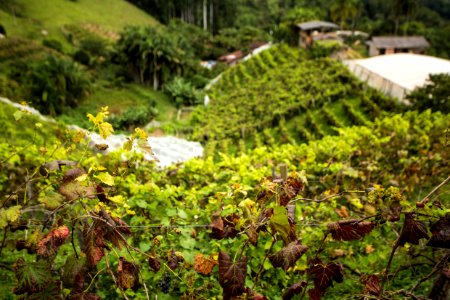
(79, 135)
(82, 177)
(141, 133)
(106, 178)
(279, 222)
(9, 215)
(105, 129)
(117, 199)
(128, 145)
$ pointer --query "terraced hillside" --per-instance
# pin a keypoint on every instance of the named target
(283, 96)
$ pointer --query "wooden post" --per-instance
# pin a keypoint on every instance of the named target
(283, 171)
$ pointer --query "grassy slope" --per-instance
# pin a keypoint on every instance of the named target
(51, 15)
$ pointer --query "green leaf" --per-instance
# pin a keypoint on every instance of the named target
(106, 178)
(9, 215)
(279, 222)
(18, 115)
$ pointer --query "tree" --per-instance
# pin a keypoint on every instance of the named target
(435, 95)
(343, 10)
(403, 8)
(152, 54)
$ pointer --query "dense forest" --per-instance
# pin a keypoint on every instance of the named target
(312, 184)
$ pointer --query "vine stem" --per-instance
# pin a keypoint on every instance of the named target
(262, 264)
(434, 190)
(436, 268)
(114, 277)
(326, 198)
(388, 266)
(92, 280)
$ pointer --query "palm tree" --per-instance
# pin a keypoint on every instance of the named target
(407, 8)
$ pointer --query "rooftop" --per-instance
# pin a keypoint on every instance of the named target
(317, 25)
(400, 42)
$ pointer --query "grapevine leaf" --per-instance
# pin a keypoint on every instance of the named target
(127, 274)
(250, 295)
(50, 244)
(106, 178)
(413, 230)
(324, 274)
(74, 190)
(440, 233)
(349, 230)
(204, 265)
(279, 222)
(18, 114)
(232, 275)
(78, 292)
(372, 285)
(9, 215)
(71, 269)
(31, 277)
(93, 244)
(105, 129)
(154, 263)
(224, 227)
(287, 256)
(294, 289)
(315, 294)
(252, 234)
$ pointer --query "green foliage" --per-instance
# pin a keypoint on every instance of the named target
(94, 46)
(434, 95)
(54, 83)
(53, 44)
(82, 57)
(183, 93)
(133, 117)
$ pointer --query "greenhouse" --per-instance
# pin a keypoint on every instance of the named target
(397, 74)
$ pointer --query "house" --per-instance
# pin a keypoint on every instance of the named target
(315, 30)
(380, 45)
(236, 56)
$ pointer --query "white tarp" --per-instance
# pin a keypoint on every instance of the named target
(397, 74)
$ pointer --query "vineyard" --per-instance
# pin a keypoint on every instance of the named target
(282, 89)
(340, 217)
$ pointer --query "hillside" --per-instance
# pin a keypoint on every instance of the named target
(28, 19)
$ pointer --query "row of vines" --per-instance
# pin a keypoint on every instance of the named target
(282, 83)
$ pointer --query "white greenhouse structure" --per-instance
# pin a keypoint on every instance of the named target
(397, 74)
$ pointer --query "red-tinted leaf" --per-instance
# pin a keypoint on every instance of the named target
(372, 285)
(127, 274)
(203, 264)
(232, 275)
(287, 256)
(294, 289)
(315, 294)
(440, 233)
(413, 230)
(93, 244)
(32, 277)
(224, 227)
(50, 244)
(324, 274)
(101, 194)
(252, 234)
(154, 263)
(78, 293)
(349, 230)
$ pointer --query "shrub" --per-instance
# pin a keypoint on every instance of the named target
(94, 46)
(134, 117)
(54, 83)
(82, 57)
(53, 44)
(183, 93)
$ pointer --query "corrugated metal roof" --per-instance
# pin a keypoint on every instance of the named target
(317, 25)
(400, 42)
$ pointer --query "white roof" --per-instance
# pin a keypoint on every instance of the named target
(404, 69)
